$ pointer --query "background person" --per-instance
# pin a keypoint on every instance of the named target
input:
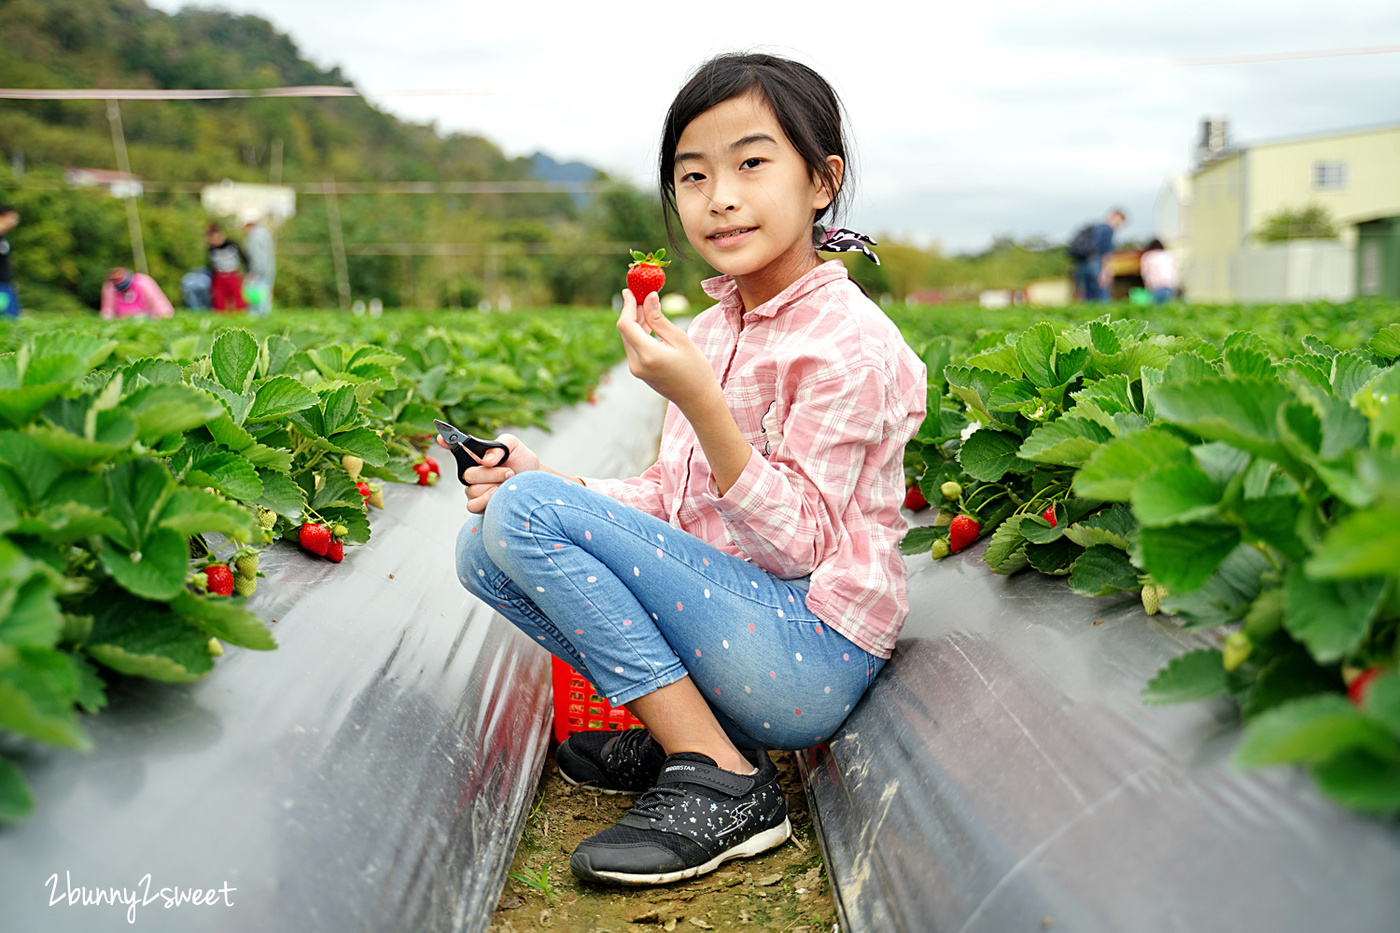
(1160, 275)
(1088, 250)
(226, 264)
(133, 294)
(9, 298)
(261, 254)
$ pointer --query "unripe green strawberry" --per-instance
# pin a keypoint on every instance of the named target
(944, 519)
(247, 564)
(352, 465)
(340, 530)
(951, 491)
(939, 550)
(267, 518)
(200, 581)
(1236, 650)
(1151, 599)
(215, 649)
(646, 274)
(245, 586)
(376, 496)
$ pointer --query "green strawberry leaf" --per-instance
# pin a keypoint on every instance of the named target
(1182, 557)
(225, 619)
(1360, 545)
(16, 802)
(1196, 675)
(159, 410)
(1006, 552)
(918, 540)
(156, 570)
(1114, 468)
(1331, 617)
(1386, 343)
(1173, 495)
(1226, 595)
(195, 511)
(37, 688)
(1068, 441)
(988, 455)
(1361, 780)
(1101, 571)
(233, 357)
(134, 636)
(1114, 526)
(1311, 729)
(279, 397)
(230, 473)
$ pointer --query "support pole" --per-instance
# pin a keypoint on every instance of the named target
(342, 272)
(133, 216)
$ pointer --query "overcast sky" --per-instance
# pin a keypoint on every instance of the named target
(969, 120)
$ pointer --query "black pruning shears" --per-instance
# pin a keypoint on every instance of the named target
(467, 449)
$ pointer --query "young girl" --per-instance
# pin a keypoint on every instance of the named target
(744, 591)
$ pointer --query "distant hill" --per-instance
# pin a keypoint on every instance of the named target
(125, 43)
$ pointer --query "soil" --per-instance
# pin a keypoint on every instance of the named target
(784, 889)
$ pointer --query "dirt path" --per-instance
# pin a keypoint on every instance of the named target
(784, 890)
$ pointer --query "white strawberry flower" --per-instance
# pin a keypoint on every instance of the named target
(971, 429)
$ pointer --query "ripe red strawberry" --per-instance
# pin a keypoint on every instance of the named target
(426, 477)
(315, 538)
(432, 465)
(1361, 685)
(645, 275)
(364, 489)
(914, 499)
(1049, 516)
(335, 552)
(962, 532)
(220, 579)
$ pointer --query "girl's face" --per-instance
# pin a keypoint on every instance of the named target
(746, 198)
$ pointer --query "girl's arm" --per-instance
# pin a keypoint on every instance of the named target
(109, 299)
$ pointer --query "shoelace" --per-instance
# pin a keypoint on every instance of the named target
(630, 748)
(655, 802)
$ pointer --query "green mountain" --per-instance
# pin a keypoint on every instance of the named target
(69, 238)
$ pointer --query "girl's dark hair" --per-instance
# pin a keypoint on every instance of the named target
(807, 109)
(1155, 244)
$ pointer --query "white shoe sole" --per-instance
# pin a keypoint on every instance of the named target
(754, 845)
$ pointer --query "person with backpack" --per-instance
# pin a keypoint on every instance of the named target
(1087, 250)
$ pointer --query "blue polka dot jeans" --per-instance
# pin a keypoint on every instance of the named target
(635, 604)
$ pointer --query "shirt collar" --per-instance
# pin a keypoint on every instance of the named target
(723, 289)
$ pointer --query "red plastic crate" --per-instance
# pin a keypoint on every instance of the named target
(578, 708)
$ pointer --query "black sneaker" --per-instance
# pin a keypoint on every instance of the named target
(696, 817)
(625, 762)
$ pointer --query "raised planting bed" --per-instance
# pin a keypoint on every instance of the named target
(1003, 774)
(371, 773)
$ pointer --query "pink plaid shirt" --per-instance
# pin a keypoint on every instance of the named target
(825, 389)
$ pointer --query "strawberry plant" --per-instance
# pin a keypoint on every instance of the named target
(1235, 488)
(129, 455)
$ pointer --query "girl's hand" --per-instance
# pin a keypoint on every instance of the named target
(671, 364)
(482, 481)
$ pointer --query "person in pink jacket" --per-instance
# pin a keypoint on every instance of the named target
(133, 294)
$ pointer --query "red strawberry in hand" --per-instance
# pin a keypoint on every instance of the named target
(315, 538)
(220, 579)
(962, 532)
(646, 274)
